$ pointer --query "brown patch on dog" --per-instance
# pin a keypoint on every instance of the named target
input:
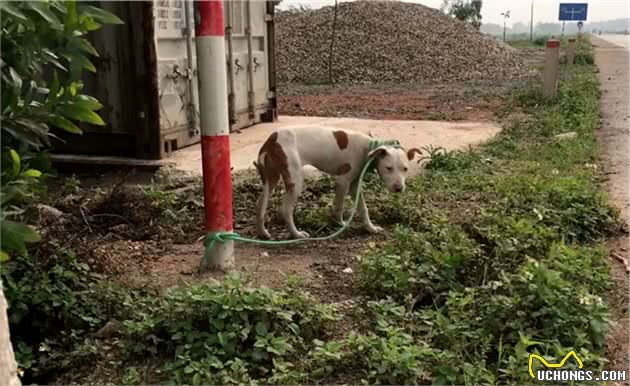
(343, 169)
(342, 138)
(411, 153)
(275, 163)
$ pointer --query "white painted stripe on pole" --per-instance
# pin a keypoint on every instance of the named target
(211, 71)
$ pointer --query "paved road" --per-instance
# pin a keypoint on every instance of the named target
(612, 58)
(620, 40)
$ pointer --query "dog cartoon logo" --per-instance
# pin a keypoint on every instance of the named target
(552, 365)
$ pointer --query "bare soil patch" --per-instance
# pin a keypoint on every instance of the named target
(479, 101)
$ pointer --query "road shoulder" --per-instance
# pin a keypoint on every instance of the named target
(614, 136)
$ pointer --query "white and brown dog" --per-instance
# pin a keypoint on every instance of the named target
(341, 153)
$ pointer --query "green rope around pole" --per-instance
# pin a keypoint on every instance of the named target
(221, 237)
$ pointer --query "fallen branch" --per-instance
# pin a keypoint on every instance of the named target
(85, 219)
(111, 215)
(622, 260)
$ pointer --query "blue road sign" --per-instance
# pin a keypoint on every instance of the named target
(573, 11)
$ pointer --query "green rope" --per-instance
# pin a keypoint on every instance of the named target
(221, 237)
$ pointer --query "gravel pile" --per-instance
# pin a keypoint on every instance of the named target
(387, 41)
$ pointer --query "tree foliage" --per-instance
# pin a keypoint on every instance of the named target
(44, 52)
(468, 11)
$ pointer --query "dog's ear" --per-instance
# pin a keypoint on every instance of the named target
(378, 152)
(411, 153)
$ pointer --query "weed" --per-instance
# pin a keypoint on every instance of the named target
(54, 304)
(131, 377)
(226, 333)
(522, 272)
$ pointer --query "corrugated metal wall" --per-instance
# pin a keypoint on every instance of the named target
(147, 76)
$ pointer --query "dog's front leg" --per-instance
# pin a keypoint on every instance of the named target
(367, 224)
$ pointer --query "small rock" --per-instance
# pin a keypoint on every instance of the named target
(569, 135)
(120, 228)
(111, 328)
(48, 214)
(347, 270)
(264, 254)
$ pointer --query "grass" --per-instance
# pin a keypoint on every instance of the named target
(507, 240)
(493, 253)
(539, 41)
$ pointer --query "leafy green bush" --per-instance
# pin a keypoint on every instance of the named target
(540, 41)
(54, 302)
(541, 300)
(44, 51)
(416, 262)
(393, 359)
(496, 259)
(226, 333)
(443, 160)
(583, 57)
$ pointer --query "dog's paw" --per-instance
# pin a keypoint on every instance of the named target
(264, 235)
(301, 235)
(374, 229)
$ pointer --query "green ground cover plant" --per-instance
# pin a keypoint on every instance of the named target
(491, 254)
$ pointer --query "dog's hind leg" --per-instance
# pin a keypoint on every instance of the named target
(293, 180)
(269, 183)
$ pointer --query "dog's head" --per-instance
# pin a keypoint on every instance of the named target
(393, 165)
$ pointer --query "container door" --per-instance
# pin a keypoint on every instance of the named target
(248, 107)
(175, 76)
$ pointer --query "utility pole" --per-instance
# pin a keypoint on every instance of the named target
(531, 23)
(506, 15)
(215, 129)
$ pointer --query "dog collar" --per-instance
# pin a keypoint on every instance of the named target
(376, 143)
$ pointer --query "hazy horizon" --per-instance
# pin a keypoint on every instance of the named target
(544, 10)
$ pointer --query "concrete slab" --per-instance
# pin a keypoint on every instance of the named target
(244, 146)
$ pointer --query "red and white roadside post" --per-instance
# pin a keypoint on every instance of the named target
(215, 128)
(550, 70)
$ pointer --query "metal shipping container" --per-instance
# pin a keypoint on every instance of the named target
(147, 77)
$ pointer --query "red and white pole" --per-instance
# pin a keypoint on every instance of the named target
(215, 128)
(550, 70)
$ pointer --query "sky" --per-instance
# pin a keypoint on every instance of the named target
(544, 10)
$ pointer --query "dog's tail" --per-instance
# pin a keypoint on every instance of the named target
(259, 169)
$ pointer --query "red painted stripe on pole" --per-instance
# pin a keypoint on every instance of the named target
(209, 18)
(217, 180)
(553, 43)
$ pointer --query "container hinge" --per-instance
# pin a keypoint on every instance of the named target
(177, 73)
(268, 17)
(271, 94)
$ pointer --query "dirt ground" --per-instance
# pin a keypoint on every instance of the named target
(471, 101)
(614, 137)
(244, 145)
(459, 101)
